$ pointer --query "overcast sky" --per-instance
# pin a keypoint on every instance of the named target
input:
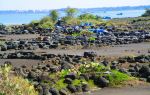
(56, 4)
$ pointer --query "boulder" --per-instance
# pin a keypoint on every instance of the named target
(3, 48)
(113, 67)
(66, 65)
(71, 76)
(85, 87)
(144, 71)
(84, 76)
(78, 88)
(46, 91)
(148, 79)
(89, 54)
(39, 89)
(71, 88)
(102, 82)
(68, 81)
(105, 62)
(54, 91)
(123, 70)
(63, 92)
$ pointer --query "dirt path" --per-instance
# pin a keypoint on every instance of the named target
(19, 36)
(145, 90)
(117, 50)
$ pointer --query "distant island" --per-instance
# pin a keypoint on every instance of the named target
(81, 9)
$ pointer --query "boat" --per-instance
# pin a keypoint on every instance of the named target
(119, 14)
(106, 17)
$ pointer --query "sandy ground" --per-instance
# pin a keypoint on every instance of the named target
(117, 50)
(113, 51)
(20, 62)
(142, 90)
(19, 36)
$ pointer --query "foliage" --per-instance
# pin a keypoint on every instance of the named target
(34, 23)
(117, 78)
(86, 32)
(47, 25)
(2, 43)
(92, 67)
(71, 21)
(54, 15)
(147, 13)
(45, 19)
(60, 84)
(71, 12)
(63, 73)
(14, 85)
(91, 83)
(88, 16)
(91, 38)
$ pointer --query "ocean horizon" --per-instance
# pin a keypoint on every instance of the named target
(26, 17)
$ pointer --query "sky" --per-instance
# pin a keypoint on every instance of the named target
(57, 4)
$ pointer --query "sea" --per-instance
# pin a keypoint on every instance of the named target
(25, 18)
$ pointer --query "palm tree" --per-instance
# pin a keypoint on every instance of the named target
(54, 15)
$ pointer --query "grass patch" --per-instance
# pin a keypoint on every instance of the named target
(2, 43)
(60, 84)
(117, 78)
(91, 83)
(92, 67)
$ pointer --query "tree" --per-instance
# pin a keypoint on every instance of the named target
(147, 13)
(71, 12)
(54, 15)
(2, 26)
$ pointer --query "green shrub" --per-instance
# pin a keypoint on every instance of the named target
(47, 25)
(86, 32)
(60, 84)
(88, 16)
(92, 67)
(14, 85)
(117, 78)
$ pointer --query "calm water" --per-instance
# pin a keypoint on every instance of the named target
(21, 18)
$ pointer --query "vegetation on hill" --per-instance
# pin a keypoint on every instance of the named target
(69, 19)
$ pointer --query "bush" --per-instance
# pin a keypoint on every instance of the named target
(71, 21)
(88, 16)
(86, 32)
(34, 23)
(60, 84)
(117, 78)
(47, 25)
(14, 85)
